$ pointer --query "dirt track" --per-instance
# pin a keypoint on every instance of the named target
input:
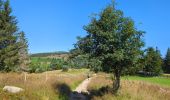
(82, 88)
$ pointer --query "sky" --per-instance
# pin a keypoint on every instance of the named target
(53, 25)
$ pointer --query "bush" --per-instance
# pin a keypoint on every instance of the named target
(80, 61)
(65, 68)
(33, 67)
(38, 67)
(56, 64)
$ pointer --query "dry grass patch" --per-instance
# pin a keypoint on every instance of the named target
(37, 87)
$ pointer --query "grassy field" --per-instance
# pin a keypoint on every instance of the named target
(132, 88)
(163, 81)
(38, 87)
(56, 85)
(40, 60)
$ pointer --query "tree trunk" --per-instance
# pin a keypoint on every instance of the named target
(116, 83)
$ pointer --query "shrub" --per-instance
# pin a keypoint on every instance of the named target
(33, 67)
(80, 61)
(56, 64)
(65, 68)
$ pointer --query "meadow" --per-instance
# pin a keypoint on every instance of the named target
(162, 81)
(57, 85)
(41, 86)
(132, 88)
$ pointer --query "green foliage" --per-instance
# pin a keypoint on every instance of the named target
(65, 68)
(39, 64)
(153, 61)
(9, 38)
(113, 40)
(33, 67)
(8, 45)
(166, 67)
(135, 68)
(95, 65)
(80, 61)
(38, 67)
(56, 64)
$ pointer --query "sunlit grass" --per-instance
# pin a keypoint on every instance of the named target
(163, 81)
(40, 86)
(132, 88)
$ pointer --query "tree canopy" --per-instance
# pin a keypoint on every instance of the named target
(113, 39)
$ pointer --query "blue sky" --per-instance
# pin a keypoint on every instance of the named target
(53, 25)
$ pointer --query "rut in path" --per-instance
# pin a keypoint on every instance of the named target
(82, 88)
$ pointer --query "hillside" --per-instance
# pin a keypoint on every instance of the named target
(58, 54)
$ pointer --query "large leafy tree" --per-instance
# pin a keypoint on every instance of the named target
(153, 61)
(113, 39)
(9, 42)
(167, 62)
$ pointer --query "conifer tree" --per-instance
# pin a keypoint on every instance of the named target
(166, 67)
(9, 36)
(153, 61)
(23, 51)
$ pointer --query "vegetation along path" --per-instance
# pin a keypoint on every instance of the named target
(80, 91)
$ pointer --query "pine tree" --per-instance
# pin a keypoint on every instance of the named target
(23, 51)
(9, 46)
(166, 67)
(153, 61)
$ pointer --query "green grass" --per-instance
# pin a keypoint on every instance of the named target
(162, 81)
(40, 59)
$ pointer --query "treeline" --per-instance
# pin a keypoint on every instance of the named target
(13, 44)
(150, 63)
(49, 54)
(39, 64)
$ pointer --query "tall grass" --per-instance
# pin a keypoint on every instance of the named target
(40, 86)
(130, 90)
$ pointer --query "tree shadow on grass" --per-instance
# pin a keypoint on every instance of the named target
(100, 92)
(65, 93)
(63, 90)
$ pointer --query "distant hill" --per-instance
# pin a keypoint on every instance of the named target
(58, 54)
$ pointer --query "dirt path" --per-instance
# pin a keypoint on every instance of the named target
(82, 88)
